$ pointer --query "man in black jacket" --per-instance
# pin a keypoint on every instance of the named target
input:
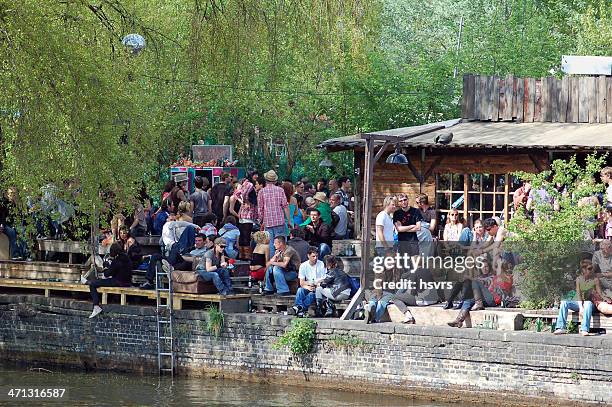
(318, 234)
(118, 274)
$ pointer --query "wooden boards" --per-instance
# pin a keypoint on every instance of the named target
(572, 99)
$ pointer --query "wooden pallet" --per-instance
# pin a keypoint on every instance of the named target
(229, 304)
(41, 270)
(63, 246)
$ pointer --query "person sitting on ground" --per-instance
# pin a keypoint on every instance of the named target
(200, 201)
(318, 233)
(182, 213)
(296, 240)
(261, 256)
(586, 285)
(118, 274)
(214, 268)
(130, 246)
(281, 268)
(341, 230)
(485, 277)
(231, 234)
(312, 273)
(335, 287)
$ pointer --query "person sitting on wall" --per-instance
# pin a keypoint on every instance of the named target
(318, 233)
(335, 287)
(281, 268)
(118, 274)
(260, 256)
(587, 284)
(130, 246)
(214, 268)
(312, 273)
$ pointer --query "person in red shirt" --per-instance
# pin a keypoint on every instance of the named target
(521, 196)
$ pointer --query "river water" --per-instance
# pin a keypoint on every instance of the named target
(123, 389)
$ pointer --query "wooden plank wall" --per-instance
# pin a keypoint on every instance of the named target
(572, 99)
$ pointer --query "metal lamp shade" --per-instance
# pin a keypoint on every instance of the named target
(397, 158)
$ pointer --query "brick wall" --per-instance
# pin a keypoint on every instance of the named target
(433, 362)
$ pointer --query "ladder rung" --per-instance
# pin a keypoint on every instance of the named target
(163, 305)
(163, 321)
(165, 353)
(165, 337)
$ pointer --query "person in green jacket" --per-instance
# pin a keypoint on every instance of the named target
(323, 207)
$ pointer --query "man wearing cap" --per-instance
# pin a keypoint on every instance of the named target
(323, 207)
(214, 268)
(273, 208)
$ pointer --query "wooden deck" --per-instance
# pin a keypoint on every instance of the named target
(229, 304)
(41, 270)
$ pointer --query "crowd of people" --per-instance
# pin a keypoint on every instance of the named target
(402, 228)
(275, 225)
(285, 231)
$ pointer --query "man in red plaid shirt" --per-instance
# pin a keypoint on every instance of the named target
(273, 209)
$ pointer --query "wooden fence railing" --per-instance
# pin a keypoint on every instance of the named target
(573, 99)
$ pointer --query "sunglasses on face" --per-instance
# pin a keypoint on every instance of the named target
(453, 215)
(402, 200)
(222, 246)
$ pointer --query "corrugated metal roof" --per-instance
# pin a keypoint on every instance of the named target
(476, 134)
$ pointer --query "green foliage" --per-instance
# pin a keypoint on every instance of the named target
(299, 338)
(346, 342)
(572, 327)
(216, 320)
(550, 248)
(76, 106)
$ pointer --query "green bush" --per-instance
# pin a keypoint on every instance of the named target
(299, 338)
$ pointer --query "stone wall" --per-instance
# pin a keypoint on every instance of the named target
(523, 368)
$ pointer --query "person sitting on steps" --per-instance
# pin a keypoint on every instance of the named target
(335, 287)
(214, 268)
(281, 268)
(312, 273)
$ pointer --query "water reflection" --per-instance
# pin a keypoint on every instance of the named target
(122, 389)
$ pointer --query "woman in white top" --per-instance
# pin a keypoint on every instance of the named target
(453, 227)
(384, 226)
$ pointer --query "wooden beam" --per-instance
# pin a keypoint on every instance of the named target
(601, 99)
(495, 96)
(366, 239)
(535, 162)
(583, 100)
(592, 92)
(432, 167)
(520, 100)
(509, 96)
(564, 99)
(529, 105)
(381, 151)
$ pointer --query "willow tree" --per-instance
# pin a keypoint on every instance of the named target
(73, 113)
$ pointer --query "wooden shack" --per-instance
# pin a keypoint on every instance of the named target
(507, 125)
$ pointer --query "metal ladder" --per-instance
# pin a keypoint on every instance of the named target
(164, 313)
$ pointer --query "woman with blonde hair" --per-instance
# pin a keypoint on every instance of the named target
(261, 256)
(184, 208)
(453, 227)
